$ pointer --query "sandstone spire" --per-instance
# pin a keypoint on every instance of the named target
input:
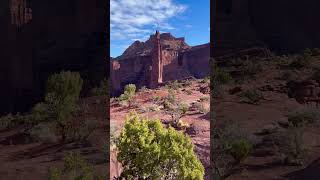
(157, 65)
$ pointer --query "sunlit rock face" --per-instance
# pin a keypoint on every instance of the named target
(39, 38)
(160, 59)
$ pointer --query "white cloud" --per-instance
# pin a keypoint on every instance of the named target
(134, 19)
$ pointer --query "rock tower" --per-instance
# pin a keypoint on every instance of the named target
(157, 63)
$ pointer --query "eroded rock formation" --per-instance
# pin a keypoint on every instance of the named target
(39, 38)
(160, 59)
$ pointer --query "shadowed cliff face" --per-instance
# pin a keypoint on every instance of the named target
(284, 26)
(60, 36)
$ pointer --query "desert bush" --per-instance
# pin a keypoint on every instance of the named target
(183, 108)
(203, 99)
(128, 94)
(188, 91)
(102, 90)
(187, 83)
(303, 60)
(251, 96)
(143, 89)
(156, 99)
(251, 68)
(199, 107)
(10, 121)
(222, 77)
(44, 132)
(303, 117)
(63, 91)
(291, 146)
(75, 168)
(226, 141)
(205, 80)
(171, 96)
(240, 149)
(175, 85)
(55, 174)
(168, 105)
(149, 151)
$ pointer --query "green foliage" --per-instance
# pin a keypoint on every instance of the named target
(128, 94)
(206, 80)
(149, 151)
(102, 90)
(200, 107)
(10, 120)
(183, 108)
(222, 77)
(63, 91)
(55, 174)
(252, 68)
(64, 86)
(291, 145)
(171, 96)
(252, 96)
(75, 168)
(303, 117)
(240, 149)
(174, 85)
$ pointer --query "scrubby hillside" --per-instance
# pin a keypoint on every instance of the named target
(183, 105)
(266, 112)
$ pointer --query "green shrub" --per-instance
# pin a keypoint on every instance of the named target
(75, 168)
(240, 149)
(128, 94)
(291, 145)
(222, 77)
(301, 118)
(10, 121)
(102, 90)
(252, 68)
(149, 151)
(200, 107)
(171, 96)
(55, 174)
(174, 85)
(65, 86)
(183, 108)
(251, 96)
(63, 91)
(206, 80)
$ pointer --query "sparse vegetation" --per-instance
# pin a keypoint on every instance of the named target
(102, 90)
(240, 149)
(251, 96)
(75, 168)
(128, 94)
(146, 153)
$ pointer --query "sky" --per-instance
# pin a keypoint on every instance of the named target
(132, 20)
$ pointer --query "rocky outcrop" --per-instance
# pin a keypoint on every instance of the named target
(41, 38)
(307, 91)
(160, 59)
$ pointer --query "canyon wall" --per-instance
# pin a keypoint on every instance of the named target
(160, 59)
(45, 37)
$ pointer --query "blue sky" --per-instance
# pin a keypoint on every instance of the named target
(133, 20)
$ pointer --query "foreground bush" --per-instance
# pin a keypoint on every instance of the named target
(149, 151)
